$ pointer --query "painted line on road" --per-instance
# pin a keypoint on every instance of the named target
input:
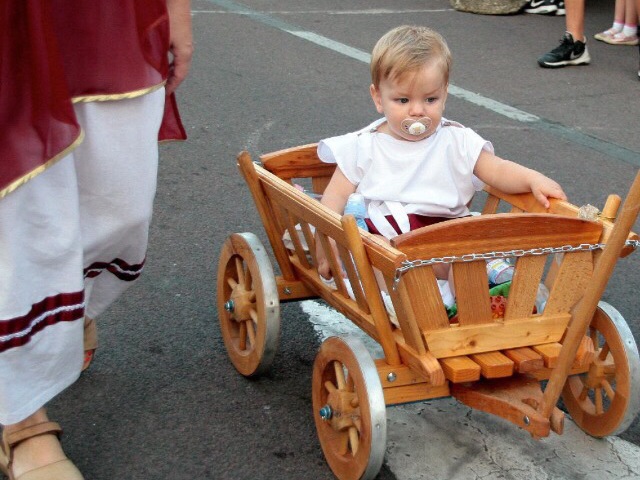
(589, 141)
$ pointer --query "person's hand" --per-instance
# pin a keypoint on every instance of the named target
(181, 43)
(544, 188)
(324, 267)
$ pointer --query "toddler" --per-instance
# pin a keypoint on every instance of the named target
(413, 166)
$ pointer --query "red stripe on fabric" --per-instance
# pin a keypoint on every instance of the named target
(117, 267)
(65, 307)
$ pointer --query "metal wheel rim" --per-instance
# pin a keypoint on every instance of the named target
(360, 367)
(249, 251)
(626, 357)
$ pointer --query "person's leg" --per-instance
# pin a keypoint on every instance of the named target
(117, 188)
(618, 21)
(572, 49)
(575, 19)
(41, 306)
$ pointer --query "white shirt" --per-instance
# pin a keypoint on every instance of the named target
(432, 177)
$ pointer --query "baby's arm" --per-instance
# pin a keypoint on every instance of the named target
(335, 197)
(511, 177)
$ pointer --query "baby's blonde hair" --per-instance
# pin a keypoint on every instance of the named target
(407, 49)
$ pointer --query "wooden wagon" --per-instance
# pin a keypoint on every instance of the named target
(578, 346)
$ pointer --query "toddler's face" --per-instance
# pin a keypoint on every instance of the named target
(412, 96)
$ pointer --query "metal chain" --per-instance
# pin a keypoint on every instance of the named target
(470, 257)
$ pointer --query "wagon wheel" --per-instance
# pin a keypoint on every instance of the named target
(605, 400)
(349, 409)
(248, 304)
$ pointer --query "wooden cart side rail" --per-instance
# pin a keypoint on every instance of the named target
(265, 210)
(526, 202)
(294, 208)
(498, 232)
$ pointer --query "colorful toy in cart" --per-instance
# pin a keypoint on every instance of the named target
(495, 354)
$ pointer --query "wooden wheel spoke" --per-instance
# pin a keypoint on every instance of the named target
(584, 393)
(242, 336)
(330, 386)
(340, 380)
(354, 439)
(251, 331)
(248, 280)
(232, 283)
(608, 389)
(343, 444)
(598, 399)
(350, 384)
(240, 271)
(604, 351)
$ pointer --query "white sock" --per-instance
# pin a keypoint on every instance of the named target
(617, 26)
(629, 30)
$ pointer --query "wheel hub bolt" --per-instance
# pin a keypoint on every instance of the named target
(326, 413)
(229, 306)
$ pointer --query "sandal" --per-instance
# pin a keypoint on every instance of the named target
(606, 35)
(90, 341)
(60, 470)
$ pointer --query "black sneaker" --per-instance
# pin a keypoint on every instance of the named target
(569, 52)
(560, 11)
(542, 7)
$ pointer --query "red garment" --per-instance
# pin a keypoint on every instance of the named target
(415, 221)
(55, 52)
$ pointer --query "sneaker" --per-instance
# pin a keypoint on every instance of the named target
(621, 39)
(569, 52)
(606, 35)
(561, 12)
(542, 7)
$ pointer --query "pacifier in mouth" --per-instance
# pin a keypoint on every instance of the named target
(416, 127)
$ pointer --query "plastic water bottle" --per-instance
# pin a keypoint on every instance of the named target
(541, 297)
(499, 271)
(355, 206)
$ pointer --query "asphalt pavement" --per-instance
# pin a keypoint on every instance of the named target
(162, 401)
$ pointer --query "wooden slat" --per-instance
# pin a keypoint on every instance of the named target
(295, 238)
(491, 204)
(297, 162)
(422, 296)
(371, 290)
(494, 364)
(488, 233)
(522, 294)
(424, 363)
(550, 353)
(525, 360)
(570, 282)
(319, 184)
(464, 340)
(354, 279)
(460, 369)
(293, 290)
(400, 374)
(414, 393)
(586, 353)
(334, 263)
(472, 293)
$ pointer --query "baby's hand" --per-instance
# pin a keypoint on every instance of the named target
(544, 188)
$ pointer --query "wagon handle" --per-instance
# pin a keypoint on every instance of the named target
(586, 308)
